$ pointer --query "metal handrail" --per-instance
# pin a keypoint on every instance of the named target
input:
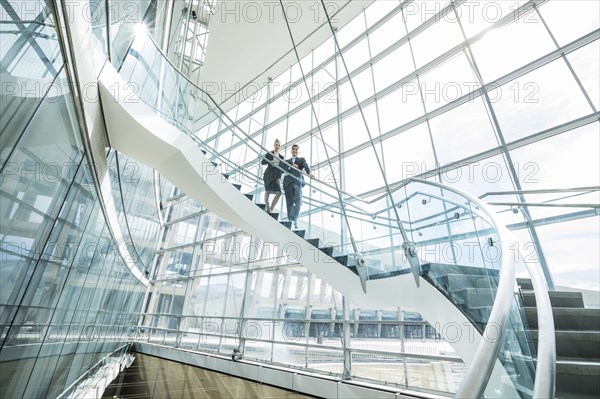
(479, 372)
(542, 191)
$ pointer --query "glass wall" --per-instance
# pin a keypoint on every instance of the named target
(498, 99)
(67, 299)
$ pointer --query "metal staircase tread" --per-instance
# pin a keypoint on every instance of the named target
(287, 224)
(300, 233)
(568, 319)
(274, 215)
(577, 366)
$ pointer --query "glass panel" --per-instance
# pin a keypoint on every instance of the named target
(435, 40)
(549, 94)
(584, 62)
(476, 16)
(565, 19)
(570, 272)
(392, 67)
(448, 82)
(408, 154)
(416, 13)
(468, 123)
(503, 50)
(125, 18)
(386, 35)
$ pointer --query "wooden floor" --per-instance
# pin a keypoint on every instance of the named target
(151, 377)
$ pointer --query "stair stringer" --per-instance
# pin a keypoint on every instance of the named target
(135, 130)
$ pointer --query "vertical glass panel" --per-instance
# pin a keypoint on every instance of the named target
(537, 101)
(503, 50)
(585, 62)
(393, 67)
(462, 132)
(377, 10)
(355, 164)
(34, 184)
(579, 271)
(386, 35)
(235, 295)
(98, 17)
(435, 40)
(299, 123)
(278, 108)
(569, 20)
(355, 132)
(476, 16)
(417, 12)
(408, 154)
(400, 107)
(31, 61)
(354, 57)
(363, 88)
(351, 30)
(568, 160)
(323, 52)
(125, 16)
(35, 52)
(490, 174)
(448, 82)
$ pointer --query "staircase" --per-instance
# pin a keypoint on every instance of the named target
(180, 158)
(577, 341)
(344, 260)
(471, 289)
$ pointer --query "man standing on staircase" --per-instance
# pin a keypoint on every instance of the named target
(293, 183)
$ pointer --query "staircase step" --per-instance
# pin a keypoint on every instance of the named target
(300, 233)
(203, 151)
(238, 186)
(581, 345)
(346, 260)
(226, 175)
(342, 259)
(453, 281)
(327, 250)
(261, 206)
(478, 314)
(525, 283)
(249, 196)
(563, 299)
(274, 215)
(475, 297)
(313, 241)
(577, 379)
(568, 318)
(214, 163)
(287, 224)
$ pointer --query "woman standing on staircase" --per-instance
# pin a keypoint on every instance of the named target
(272, 175)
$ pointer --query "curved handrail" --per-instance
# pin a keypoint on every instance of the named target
(479, 372)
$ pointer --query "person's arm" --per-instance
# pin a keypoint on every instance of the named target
(307, 169)
(267, 159)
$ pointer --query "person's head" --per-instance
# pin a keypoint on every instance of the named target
(295, 150)
(277, 144)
